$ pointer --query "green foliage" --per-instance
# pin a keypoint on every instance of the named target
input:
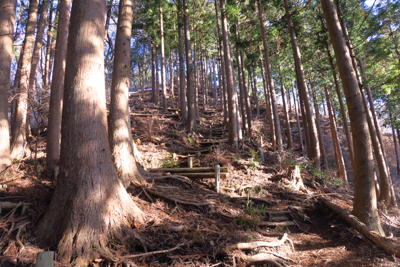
(252, 215)
(170, 162)
(255, 160)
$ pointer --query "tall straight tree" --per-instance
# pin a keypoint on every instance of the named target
(270, 81)
(7, 17)
(163, 75)
(365, 204)
(18, 126)
(232, 92)
(191, 92)
(57, 86)
(119, 129)
(90, 205)
(182, 83)
(313, 149)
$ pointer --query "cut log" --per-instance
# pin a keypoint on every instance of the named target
(189, 170)
(386, 244)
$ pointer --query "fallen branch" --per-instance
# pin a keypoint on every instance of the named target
(257, 244)
(153, 252)
(188, 170)
(204, 175)
(386, 244)
(197, 204)
(264, 257)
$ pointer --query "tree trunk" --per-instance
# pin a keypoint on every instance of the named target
(57, 86)
(342, 108)
(365, 202)
(89, 206)
(157, 92)
(255, 93)
(243, 96)
(119, 126)
(268, 71)
(153, 74)
(182, 85)
(163, 77)
(144, 71)
(396, 147)
(171, 75)
(387, 191)
(313, 149)
(268, 102)
(214, 81)
(285, 111)
(232, 92)
(317, 120)
(18, 133)
(191, 92)
(48, 48)
(7, 21)
(298, 122)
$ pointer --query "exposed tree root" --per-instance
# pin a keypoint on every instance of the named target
(264, 257)
(256, 244)
(197, 204)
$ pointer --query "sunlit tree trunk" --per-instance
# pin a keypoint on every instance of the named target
(318, 122)
(57, 87)
(48, 48)
(313, 149)
(171, 75)
(119, 129)
(144, 71)
(18, 127)
(163, 77)
(270, 80)
(255, 93)
(7, 21)
(232, 93)
(298, 121)
(340, 164)
(365, 201)
(285, 111)
(268, 102)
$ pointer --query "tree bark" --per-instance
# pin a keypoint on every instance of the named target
(232, 92)
(57, 86)
(342, 108)
(298, 122)
(182, 85)
(48, 48)
(396, 147)
(191, 92)
(243, 96)
(313, 149)
(144, 71)
(163, 77)
(18, 133)
(153, 74)
(317, 120)
(365, 202)
(268, 71)
(171, 75)
(285, 111)
(268, 102)
(255, 93)
(119, 126)
(7, 21)
(89, 203)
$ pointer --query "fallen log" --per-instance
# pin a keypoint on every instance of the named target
(270, 224)
(188, 170)
(257, 244)
(386, 244)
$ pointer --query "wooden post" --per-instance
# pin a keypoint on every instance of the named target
(190, 162)
(44, 259)
(217, 177)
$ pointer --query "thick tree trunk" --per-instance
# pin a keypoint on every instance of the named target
(18, 133)
(313, 149)
(89, 203)
(365, 202)
(387, 191)
(342, 108)
(163, 77)
(268, 71)
(7, 20)
(191, 92)
(119, 126)
(232, 92)
(57, 87)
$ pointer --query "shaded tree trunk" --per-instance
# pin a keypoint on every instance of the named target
(298, 121)
(18, 127)
(171, 75)
(317, 120)
(119, 126)
(313, 149)
(365, 202)
(153, 73)
(396, 147)
(7, 21)
(255, 93)
(182, 85)
(270, 80)
(268, 102)
(191, 92)
(144, 71)
(285, 111)
(48, 48)
(90, 205)
(57, 87)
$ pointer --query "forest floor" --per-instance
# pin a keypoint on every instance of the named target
(196, 226)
